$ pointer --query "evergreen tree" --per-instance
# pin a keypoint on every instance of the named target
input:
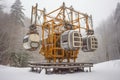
(117, 13)
(17, 13)
(117, 25)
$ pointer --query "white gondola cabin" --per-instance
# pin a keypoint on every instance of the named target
(31, 41)
(71, 40)
(90, 43)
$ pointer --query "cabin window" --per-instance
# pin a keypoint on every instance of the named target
(25, 40)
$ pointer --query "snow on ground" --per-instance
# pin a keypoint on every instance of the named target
(103, 71)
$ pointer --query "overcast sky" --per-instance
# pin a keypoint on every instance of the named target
(99, 9)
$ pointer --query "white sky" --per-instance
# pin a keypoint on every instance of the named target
(99, 9)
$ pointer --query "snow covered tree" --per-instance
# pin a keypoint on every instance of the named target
(109, 30)
(117, 13)
(4, 45)
(117, 24)
(17, 13)
(19, 59)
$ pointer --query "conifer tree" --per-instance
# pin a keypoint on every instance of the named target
(17, 13)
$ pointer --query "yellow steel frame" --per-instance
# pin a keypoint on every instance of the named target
(52, 24)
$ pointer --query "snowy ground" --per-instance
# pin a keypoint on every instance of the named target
(102, 71)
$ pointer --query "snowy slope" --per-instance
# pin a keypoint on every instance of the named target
(102, 71)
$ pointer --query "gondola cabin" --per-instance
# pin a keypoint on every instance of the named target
(31, 41)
